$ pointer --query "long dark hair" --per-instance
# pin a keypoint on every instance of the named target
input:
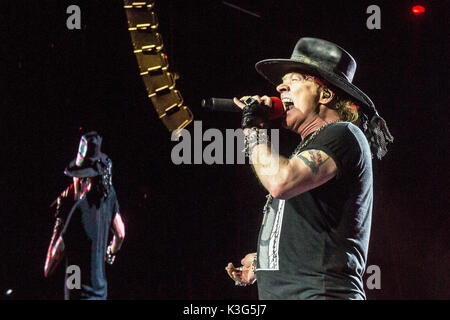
(102, 184)
(374, 127)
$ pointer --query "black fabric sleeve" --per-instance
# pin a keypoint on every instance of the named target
(116, 207)
(340, 144)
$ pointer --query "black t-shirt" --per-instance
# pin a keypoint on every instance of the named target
(314, 245)
(86, 241)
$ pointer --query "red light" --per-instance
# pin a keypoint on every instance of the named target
(418, 9)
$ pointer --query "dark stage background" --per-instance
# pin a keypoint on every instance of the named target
(185, 223)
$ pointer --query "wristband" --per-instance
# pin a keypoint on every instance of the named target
(253, 137)
(254, 113)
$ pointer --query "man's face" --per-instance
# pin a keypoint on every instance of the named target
(300, 95)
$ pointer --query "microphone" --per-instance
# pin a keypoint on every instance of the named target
(227, 105)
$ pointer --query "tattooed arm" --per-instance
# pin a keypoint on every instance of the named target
(285, 178)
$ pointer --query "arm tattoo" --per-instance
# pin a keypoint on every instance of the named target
(313, 159)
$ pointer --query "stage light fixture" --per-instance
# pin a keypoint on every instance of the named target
(153, 65)
(418, 9)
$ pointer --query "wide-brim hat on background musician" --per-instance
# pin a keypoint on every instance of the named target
(336, 68)
(90, 160)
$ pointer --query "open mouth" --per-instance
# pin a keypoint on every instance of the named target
(288, 104)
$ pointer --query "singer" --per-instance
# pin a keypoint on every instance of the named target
(315, 232)
(86, 211)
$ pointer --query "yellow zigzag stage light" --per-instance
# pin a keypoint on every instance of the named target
(153, 65)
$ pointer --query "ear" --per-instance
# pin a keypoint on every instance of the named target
(326, 95)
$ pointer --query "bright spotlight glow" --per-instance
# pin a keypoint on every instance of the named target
(418, 9)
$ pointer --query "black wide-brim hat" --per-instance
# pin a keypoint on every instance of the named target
(322, 59)
(90, 161)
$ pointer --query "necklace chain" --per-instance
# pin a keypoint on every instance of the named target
(305, 143)
(296, 152)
